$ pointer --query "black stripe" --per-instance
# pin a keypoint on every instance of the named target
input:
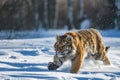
(60, 61)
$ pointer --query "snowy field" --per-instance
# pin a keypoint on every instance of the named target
(27, 58)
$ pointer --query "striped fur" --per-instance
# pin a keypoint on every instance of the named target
(78, 46)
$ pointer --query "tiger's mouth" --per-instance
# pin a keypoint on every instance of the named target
(62, 54)
(67, 52)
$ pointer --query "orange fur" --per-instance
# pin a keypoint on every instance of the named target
(82, 44)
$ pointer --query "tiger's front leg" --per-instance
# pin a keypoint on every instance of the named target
(57, 62)
(77, 63)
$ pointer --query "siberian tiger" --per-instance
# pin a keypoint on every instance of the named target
(77, 46)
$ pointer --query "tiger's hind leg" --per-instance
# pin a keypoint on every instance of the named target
(103, 57)
(105, 60)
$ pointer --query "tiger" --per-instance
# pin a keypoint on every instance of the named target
(77, 46)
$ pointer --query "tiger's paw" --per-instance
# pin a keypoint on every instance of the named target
(52, 66)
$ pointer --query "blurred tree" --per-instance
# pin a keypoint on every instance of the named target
(118, 20)
(41, 13)
(35, 12)
(81, 8)
(56, 15)
(118, 14)
(51, 13)
(101, 13)
(70, 14)
(78, 13)
(16, 14)
(28, 14)
(112, 14)
(46, 14)
(62, 13)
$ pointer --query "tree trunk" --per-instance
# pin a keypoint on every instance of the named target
(81, 8)
(36, 13)
(70, 14)
(56, 15)
(117, 20)
(46, 14)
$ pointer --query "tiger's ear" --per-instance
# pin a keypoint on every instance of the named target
(69, 38)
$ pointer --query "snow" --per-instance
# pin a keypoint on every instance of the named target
(27, 58)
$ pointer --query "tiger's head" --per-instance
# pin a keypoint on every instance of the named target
(64, 45)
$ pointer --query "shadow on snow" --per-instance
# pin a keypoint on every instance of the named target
(30, 67)
(37, 76)
(28, 53)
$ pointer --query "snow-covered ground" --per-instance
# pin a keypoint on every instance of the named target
(27, 58)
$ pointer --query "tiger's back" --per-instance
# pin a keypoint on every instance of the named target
(92, 41)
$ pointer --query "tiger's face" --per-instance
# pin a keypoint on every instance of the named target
(64, 45)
